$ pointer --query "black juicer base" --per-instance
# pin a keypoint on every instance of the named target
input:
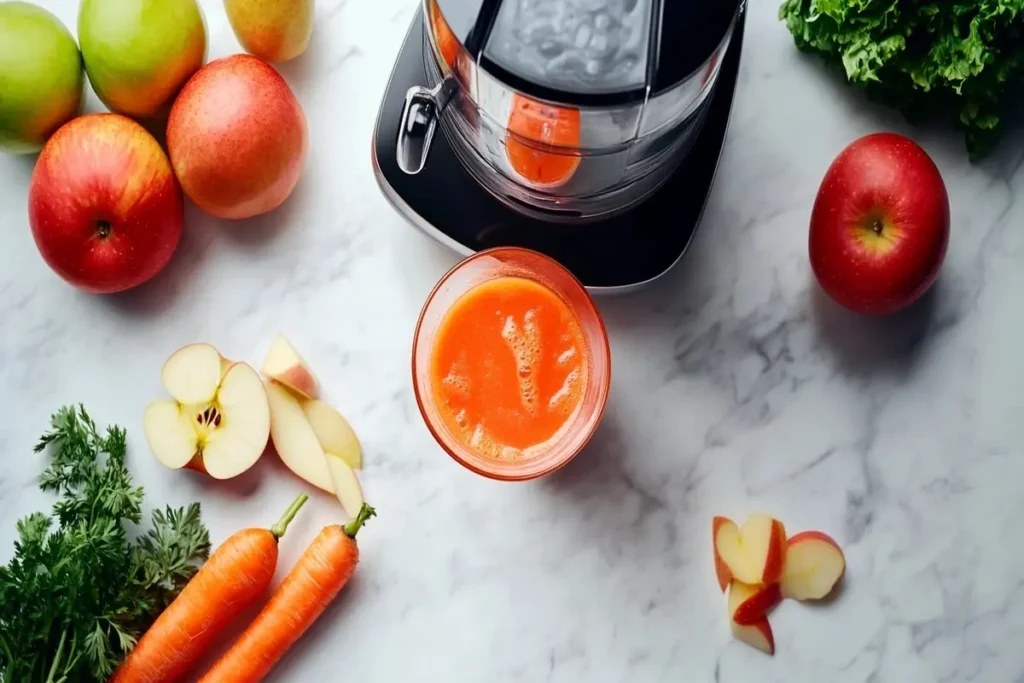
(617, 254)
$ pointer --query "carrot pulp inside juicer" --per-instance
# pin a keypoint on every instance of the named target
(547, 124)
(509, 367)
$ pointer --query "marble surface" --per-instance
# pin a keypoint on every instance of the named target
(736, 388)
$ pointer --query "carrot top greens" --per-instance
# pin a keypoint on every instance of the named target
(79, 591)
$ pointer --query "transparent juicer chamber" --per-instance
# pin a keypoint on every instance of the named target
(556, 114)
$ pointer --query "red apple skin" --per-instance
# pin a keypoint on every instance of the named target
(814, 536)
(757, 606)
(105, 208)
(776, 553)
(880, 225)
(237, 138)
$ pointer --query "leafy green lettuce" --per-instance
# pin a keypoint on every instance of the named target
(957, 56)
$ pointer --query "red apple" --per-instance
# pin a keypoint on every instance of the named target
(237, 138)
(880, 225)
(105, 208)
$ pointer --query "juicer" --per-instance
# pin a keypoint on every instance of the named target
(587, 130)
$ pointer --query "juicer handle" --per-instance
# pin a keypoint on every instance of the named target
(420, 115)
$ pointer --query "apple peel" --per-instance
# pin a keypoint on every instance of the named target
(758, 634)
(750, 604)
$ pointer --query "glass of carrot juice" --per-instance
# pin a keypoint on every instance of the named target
(510, 364)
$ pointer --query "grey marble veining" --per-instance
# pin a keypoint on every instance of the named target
(737, 387)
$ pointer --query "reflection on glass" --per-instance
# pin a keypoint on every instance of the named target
(447, 43)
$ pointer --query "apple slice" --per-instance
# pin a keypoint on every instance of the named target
(285, 366)
(346, 485)
(814, 565)
(334, 432)
(193, 373)
(755, 552)
(750, 604)
(218, 423)
(721, 568)
(758, 634)
(294, 438)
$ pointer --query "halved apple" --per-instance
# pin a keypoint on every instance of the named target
(758, 634)
(750, 604)
(218, 421)
(814, 565)
(294, 438)
(754, 553)
(285, 366)
(334, 432)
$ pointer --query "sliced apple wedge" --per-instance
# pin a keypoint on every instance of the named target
(218, 422)
(346, 484)
(814, 565)
(294, 438)
(759, 634)
(722, 572)
(750, 604)
(334, 432)
(755, 552)
(285, 366)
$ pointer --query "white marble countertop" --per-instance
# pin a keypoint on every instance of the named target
(736, 388)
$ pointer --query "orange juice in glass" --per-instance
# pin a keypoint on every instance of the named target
(511, 365)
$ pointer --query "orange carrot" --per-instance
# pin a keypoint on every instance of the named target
(318, 576)
(237, 573)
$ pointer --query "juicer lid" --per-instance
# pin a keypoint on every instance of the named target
(590, 51)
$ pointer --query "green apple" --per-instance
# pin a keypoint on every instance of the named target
(40, 77)
(139, 53)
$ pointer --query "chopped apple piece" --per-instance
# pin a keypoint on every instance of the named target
(750, 604)
(722, 572)
(285, 366)
(294, 438)
(218, 422)
(755, 552)
(334, 432)
(759, 634)
(814, 565)
(346, 485)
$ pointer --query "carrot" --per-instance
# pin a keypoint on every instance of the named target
(237, 573)
(318, 576)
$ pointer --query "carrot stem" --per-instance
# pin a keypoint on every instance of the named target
(353, 527)
(289, 514)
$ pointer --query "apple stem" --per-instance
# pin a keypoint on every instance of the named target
(876, 225)
(353, 527)
(103, 229)
(289, 514)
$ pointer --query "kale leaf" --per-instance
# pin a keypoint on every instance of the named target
(960, 57)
